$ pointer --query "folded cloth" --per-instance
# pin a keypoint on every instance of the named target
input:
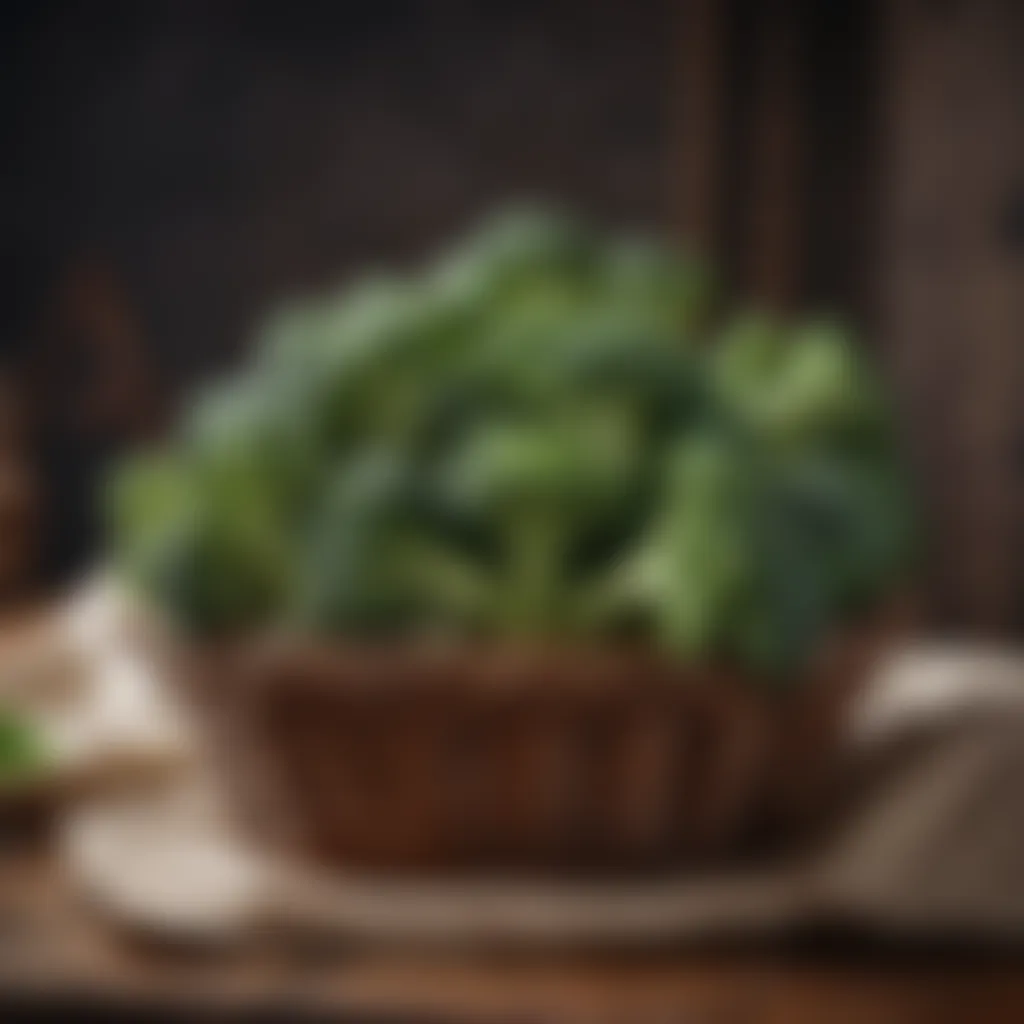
(931, 836)
(98, 705)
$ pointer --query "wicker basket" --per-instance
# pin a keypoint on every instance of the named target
(531, 762)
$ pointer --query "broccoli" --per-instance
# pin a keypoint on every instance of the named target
(23, 753)
(539, 487)
(544, 434)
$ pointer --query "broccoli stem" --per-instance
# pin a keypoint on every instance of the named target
(533, 583)
(451, 581)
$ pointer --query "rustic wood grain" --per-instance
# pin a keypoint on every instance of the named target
(989, 402)
(774, 242)
(952, 290)
(55, 954)
(698, 126)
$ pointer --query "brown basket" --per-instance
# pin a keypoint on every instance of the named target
(523, 761)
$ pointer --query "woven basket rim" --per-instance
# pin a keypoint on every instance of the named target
(486, 666)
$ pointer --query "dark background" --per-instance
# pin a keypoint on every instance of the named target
(172, 169)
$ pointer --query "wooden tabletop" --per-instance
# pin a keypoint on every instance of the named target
(57, 954)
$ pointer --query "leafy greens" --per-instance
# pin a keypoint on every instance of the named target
(545, 435)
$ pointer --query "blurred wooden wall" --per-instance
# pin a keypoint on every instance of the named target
(871, 156)
(951, 285)
(773, 163)
(176, 167)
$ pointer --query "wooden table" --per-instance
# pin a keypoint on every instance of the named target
(57, 955)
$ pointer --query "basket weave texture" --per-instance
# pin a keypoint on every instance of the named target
(524, 761)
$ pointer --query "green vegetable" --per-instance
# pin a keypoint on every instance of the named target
(543, 435)
(22, 752)
(205, 535)
(794, 387)
(539, 487)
